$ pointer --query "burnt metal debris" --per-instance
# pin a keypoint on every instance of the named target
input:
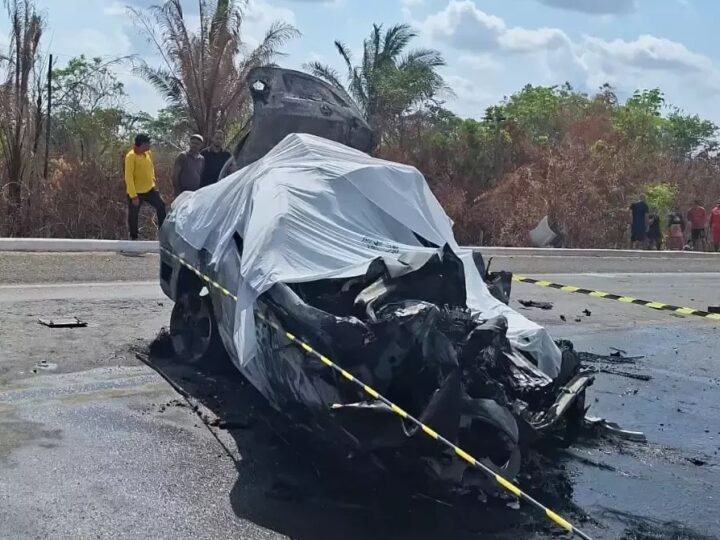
(605, 364)
(535, 304)
(414, 340)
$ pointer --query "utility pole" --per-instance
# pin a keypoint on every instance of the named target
(49, 117)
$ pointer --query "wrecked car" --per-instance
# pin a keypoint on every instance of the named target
(287, 101)
(356, 257)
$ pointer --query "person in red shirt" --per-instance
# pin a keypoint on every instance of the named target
(697, 218)
(715, 226)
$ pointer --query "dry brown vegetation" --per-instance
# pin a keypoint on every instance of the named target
(551, 151)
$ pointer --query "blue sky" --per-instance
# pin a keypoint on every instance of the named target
(492, 47)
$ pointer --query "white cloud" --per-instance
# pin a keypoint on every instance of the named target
(480, 62)
(524, 40)
(597, 7)
(115, 9)
(464, 26)
(93, 42)
(470, 97)
(646, 62)
(646, 52)
(588, 61)
(259, 15)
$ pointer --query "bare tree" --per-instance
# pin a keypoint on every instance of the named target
(203, 72)
(17, 121)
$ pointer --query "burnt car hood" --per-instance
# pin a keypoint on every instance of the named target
(287, 101)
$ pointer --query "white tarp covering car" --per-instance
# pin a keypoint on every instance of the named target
(356, 257)
(312, 209)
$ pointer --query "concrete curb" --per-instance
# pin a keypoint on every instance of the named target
(59, 245)
(67, 245)
(489, 251)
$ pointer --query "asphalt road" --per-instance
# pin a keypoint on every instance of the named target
(96, 444)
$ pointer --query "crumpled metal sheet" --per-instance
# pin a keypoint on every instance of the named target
(413, 340)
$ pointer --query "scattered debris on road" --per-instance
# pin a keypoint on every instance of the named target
(627, 374)
(602, 426)
(614, 358)
(44, 365)
(71, 322)
(534, 304)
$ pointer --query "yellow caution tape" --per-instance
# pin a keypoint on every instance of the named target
(503, 482)
(624, 299)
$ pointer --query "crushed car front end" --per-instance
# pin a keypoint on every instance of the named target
(379, 287)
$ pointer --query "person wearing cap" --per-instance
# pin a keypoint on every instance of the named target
(189, 165)
(140, 183)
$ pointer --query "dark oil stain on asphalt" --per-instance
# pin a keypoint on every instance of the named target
(287, 485)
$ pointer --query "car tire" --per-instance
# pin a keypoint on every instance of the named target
(193, 329)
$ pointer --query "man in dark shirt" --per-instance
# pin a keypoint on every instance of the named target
(215, 158)
(638, 230)
(189, 165)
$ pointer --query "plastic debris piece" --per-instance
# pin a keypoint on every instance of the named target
(71, 322)
(542, 235)
(611, 428)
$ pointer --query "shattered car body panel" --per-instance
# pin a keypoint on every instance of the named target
(355, 256)
(287, 101)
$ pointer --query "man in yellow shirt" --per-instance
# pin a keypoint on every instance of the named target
(140, 183)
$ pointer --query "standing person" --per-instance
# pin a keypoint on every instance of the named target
(638, 229)
(697, 218)
(715, 226)
(676, 230)
(140, 184)
(215, 158)
(188, 168)
(654, 234)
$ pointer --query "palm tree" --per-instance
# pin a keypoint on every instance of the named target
(388, 82)
(203, 73)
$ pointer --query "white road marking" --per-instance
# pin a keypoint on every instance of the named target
(111, 290)
(78, 285)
